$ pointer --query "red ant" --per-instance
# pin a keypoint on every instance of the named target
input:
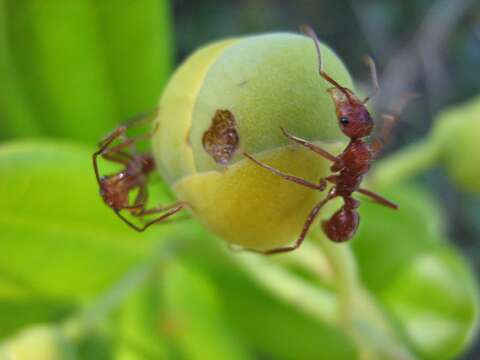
(351, 165)
(115, 189)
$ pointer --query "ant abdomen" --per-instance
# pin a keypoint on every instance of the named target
(342, 225)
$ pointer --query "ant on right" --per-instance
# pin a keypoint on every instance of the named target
(350, 166)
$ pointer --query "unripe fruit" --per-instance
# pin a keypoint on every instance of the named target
(258, 83)
(457, 136)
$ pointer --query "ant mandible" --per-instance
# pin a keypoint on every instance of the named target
(350, 166)
(116, 189)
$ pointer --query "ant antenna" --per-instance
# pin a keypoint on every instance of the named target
(307, 30)
(373, 78)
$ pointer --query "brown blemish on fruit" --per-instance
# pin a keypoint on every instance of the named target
(221, 139)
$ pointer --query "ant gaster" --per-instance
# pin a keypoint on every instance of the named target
(116, 189)
(349, 167)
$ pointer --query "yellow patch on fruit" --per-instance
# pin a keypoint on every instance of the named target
(249, 206)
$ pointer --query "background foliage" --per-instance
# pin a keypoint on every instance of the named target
(71, 70)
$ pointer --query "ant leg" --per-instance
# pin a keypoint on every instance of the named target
(311, 217)
(161, 208)
(117, 157)
(378, 198)
(138, 206)
(171, 210)
(298, 180)
(309, 145)
(307, 30)
(389, 121)
(103, 147)
(379, 142)
(130, 141)
(374, 78)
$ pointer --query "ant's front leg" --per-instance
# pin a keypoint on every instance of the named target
(298, 180)
(103, 149)
(315, 148)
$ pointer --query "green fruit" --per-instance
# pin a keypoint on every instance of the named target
(457, 134)
(263, 82)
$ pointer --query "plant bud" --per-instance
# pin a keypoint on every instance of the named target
(231, 97)
(457, 134)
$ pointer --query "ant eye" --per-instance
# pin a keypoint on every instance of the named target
(344, 120)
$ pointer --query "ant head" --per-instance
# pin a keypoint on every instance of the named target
(353, 117)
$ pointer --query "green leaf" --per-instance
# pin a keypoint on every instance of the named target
(388, 239)
(58, 238)
(18, 313)
(435, 299)
(138, 325)
(423, 283)
(17, 115)
(78, 67)
(195, 316)
(138, 43)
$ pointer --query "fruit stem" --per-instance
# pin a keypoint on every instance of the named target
(359, 315)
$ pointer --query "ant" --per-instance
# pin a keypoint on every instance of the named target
(115, 189)
(350, 166)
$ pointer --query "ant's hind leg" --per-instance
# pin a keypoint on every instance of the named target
(306, 227)
(168, 211)
(378, 198)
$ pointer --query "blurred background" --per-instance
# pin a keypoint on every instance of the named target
(71, 72)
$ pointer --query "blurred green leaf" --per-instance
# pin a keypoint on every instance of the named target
(19, 313)
(435, 300)
(138, 42)
(14, 105)
(387, 239)
(58, 238)
(138, 325)
(77, 69)
(424, 284)
(195, 316)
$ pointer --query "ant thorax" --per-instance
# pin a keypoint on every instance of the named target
(112, 191)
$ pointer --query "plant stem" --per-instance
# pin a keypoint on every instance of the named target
(359, 315)
(346, 283)
(406, 163)
(316, 302)
(345, 272)
(312, 259)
